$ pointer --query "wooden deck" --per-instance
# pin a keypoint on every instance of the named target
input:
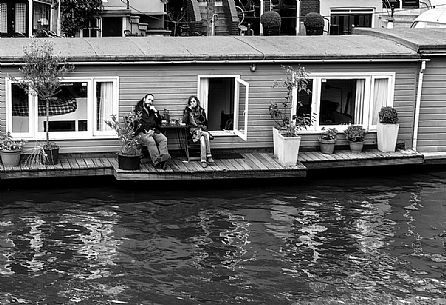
(247, 165)
(346, 159)
(250, 165)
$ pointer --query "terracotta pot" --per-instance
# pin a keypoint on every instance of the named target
(356, 147)
(129, 162)
(10, 157)
(327, 146)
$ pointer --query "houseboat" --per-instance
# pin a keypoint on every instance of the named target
(351, 78)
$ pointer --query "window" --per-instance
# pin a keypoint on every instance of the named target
(41, 16)
(337, 101)
(225, 100)
(3, 18)
(343, 20)
(78, 110)
(93, 28)
(20, 18)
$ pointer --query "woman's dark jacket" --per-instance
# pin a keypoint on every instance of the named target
(150, 120)
(195, 117)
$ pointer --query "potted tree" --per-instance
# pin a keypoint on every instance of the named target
(314, 24)
(387, 129)
(271, 22)
(286, 131)
(40, 76)
(355, 135)
(129, 154)
(327, 140)
(10, 150)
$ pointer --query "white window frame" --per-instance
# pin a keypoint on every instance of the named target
(33, 132)
(237, 81)
(369, 78)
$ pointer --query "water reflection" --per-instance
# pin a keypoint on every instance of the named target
(377, 243)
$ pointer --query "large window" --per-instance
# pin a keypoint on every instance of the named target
(13, 18)
(343, 20)
(338, 101)
(78, 110)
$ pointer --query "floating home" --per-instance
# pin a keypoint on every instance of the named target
(351, 77)
(429, 135)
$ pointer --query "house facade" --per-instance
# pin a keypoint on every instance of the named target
(350, 79)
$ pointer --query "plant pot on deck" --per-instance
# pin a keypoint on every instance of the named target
(286, 149)
(327, 146)
(356, 147)
(51, 156)
(386, 136)
(10, 157)
(129, 162)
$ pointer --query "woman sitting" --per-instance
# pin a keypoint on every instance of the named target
(195, 117)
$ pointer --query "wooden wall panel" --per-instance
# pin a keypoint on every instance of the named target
(173, 84)
(432, 126)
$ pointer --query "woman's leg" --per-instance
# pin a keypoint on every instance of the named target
(206, 148)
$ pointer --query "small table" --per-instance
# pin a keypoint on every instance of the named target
(182, 133)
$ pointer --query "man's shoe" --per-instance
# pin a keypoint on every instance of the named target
(161, 165)
(164, 157)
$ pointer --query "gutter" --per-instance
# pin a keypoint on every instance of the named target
(230, 61)
(418, 104)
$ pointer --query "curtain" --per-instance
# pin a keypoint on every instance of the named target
(204, 93)
(20, 18)
(359, 101)
(3, 18)
(104, 105)
(41, 16)
(380, 96)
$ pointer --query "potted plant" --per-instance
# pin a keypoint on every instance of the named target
(10, 150)
(355, 135)
(327, 140)
(271, 22)
(387, 129)
(314, 24)
(129, 154)
(39, 61)
(286, 131)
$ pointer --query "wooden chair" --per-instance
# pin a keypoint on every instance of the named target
(193, 149)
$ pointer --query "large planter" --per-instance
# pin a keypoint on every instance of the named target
(286, 149)
(356, 147)
(10, 157)
(129, 162)
(51, 156)
(327, 146)
(386, 136)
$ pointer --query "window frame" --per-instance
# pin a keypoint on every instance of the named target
(369, 78)
(237, 81)
(34, 132)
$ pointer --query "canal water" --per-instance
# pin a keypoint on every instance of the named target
(377, 240)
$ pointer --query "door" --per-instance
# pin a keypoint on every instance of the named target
(241, 108)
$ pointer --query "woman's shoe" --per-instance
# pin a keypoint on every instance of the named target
(211, 161)
(204, 164)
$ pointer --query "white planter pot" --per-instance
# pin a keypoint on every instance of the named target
(386, 135)
(286, 149)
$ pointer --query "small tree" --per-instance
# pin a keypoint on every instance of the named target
(76, 14)
(41, 75)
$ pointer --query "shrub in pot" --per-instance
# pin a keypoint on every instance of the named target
(10, 150)
(355, 135)
(129, 154)
(286, 131)
(271, 22)
(314, 24)
(387, 129)
(327, 140)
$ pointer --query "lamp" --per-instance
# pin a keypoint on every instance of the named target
(253, 67)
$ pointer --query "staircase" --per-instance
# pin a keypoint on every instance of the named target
(223, 24)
